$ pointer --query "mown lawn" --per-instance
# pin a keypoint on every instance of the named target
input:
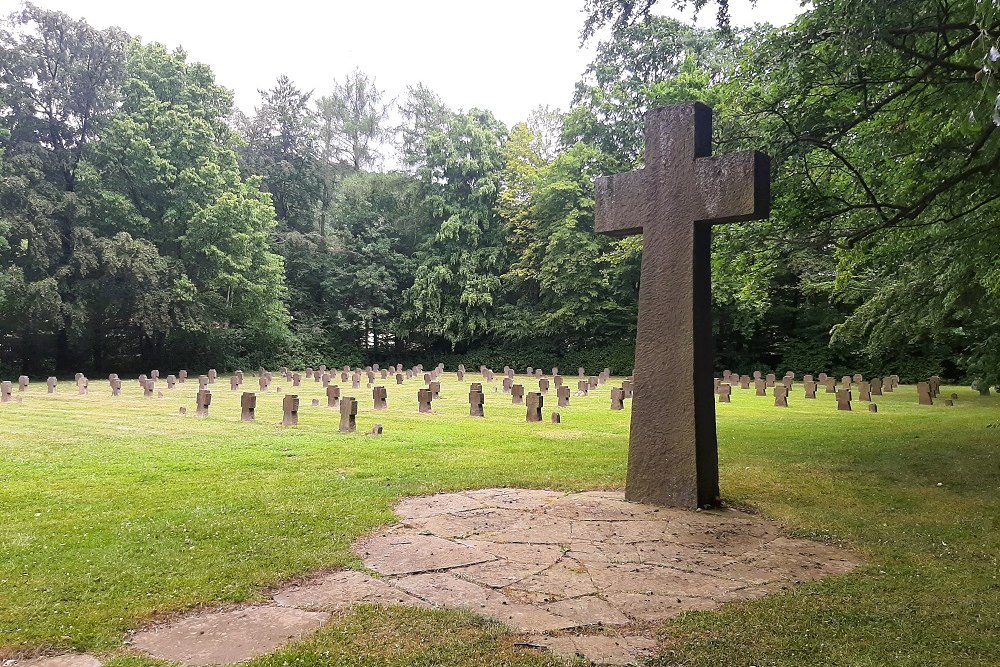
(113, 511)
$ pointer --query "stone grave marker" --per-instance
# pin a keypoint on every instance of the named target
(507, 384)
(757, 375)
(142, 380)
(555, 371)
(343, 376)
(876, 386)
(556, 419)
(399, 378)
(234, 383)
(535, 401)
(182, 376)
(810, 388)
(476, 400)
(290, 408)
(674, 201)
(460, 375)
(822, 378)
(424, 399)
(356, 380)
(530, 371)
(846, 382)
(844, 399)
(581, 372)
(562, 396)
(348, 414)
(517, 394)
(557, 380)
(148, 388)
(770, 379)
(543, 386)
(593, 382)
(212, 375)
(82, 385)
(924, 394)
(248, 406)
(744, 382)
(858, 378)
(617, 399)
(872, 407)
(22, 383)
(831, 385)
(781, 396)
(5, 391)
(332, 396)
(51, 383)
(864, 391)
(807, 378)
(583, 387)
(627, 387)
(202, 381)
(309, 373)
(435, 388)
(171, 381)
(725, 392)
(296, 379)
(760, 386)
(154, 374)
(116, 387)
(202, 402)
(379, 396)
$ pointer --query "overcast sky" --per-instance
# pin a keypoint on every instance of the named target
(508, 57)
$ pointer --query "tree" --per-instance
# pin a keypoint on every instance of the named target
(352, 122)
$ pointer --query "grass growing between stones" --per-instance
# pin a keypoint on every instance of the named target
(114, 511)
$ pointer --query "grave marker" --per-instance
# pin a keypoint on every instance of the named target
(781, 396)
(202, 402)
(348, 414)
(424, 399)
(379, 396)
(290, 408)
(476, 402)
(924, 395)
(725, 393)
(51, 383)
(673, 448)
(517, 394)
(844, 399)
(534, 402)
(248, 406)
(617, 399)
(332, 396)
(562, 396)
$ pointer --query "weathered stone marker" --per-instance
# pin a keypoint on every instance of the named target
(22, 383)
(781, 396)
(435, 388)
(204, 400)
(517, 394)
(535, 401)
(290, 407)
(51, 383)
(379, 396)
(5, 389)
(248, 405)
(476, 402)
(673, 448)
(424, 400)
(844, 399)
(617, 398)
(725, 393)
(810, 389)
(925, 394)
(348, 414)
(562, 394)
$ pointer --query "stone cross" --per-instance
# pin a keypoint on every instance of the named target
(476, 402)
(562, 395)
(379, 395)
(51, 383)
(399, 378)
(925, 393)
(781, 396)
(248, 405)
(673, 448)
(435, 388)
(204, 399)
(424, 398)
(182, 376)
(22, 383)
(810, 388)
(116, 387)
(332, 396)
(618, 398)
(844, 399)
(517, 394)
(535, 401)
(583, 386)
(5, 389)
(543, 385)
(290, 408)
(348, 414)
(725, 392)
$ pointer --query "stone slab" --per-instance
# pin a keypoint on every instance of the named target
(227, 637)
(338, 591)
(407, 554)
(599, 649)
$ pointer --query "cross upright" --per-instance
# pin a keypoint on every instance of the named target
(673, 202)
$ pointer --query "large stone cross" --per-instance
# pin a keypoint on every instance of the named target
(682, 191)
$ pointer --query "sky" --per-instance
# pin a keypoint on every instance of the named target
(509, 56)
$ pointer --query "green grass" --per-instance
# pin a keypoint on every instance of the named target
(113, 511)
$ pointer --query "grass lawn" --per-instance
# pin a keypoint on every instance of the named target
(116, 510)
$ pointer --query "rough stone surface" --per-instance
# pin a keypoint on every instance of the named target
(582, 572)
(221, 638)
(68, 660)
(598, 649)
(672, 202)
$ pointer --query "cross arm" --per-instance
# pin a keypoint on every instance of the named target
(734, 187)
(622, 204)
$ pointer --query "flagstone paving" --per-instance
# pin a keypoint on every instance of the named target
(581, 574)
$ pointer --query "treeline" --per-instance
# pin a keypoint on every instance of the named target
(147, 223)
